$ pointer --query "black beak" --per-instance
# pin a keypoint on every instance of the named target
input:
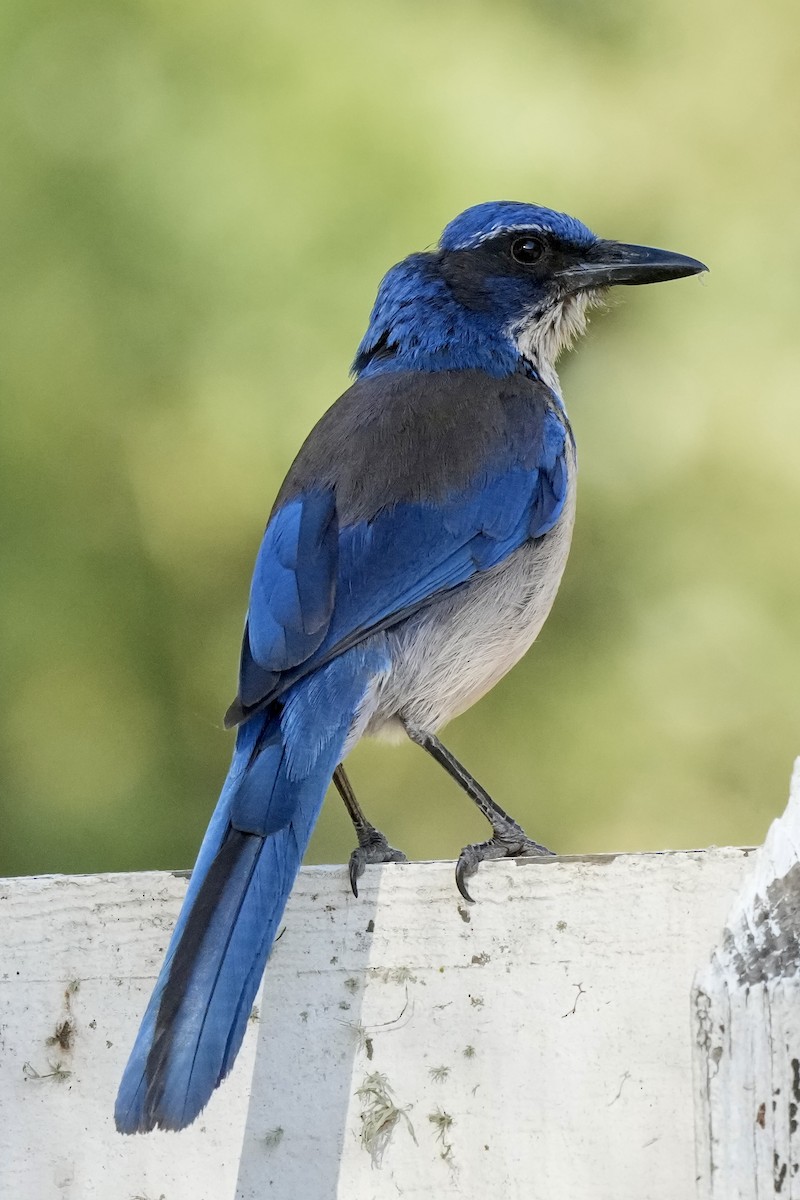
(610, 263)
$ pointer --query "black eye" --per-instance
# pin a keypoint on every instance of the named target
(527, 250)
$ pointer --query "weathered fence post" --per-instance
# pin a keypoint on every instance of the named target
(746, 1013)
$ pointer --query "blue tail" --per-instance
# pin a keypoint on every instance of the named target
(195, 1021)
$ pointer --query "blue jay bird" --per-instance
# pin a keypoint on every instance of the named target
(410, 559)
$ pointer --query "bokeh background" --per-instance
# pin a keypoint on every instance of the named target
(197, 203)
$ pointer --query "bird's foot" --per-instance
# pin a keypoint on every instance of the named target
(508, 841)
(372, 848)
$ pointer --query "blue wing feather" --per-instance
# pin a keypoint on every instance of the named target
(291, 596)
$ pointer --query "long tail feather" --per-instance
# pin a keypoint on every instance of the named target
(196, 1019)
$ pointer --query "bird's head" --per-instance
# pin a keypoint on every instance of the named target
(508, 283)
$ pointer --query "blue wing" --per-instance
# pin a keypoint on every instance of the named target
(319, 586)
(292, 593)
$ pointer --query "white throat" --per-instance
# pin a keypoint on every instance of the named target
(542, 336)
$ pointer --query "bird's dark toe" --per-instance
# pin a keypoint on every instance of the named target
(511, 842)
(373, 849)
(464, 868)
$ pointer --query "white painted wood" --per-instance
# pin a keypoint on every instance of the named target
(746, 1012)
(535, 1046)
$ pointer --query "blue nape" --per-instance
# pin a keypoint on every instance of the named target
(417, 325)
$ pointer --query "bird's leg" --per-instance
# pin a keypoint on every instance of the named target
(372, 844)
(508, 839)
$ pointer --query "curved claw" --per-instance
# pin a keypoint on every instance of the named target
(356, 870)
(461, 876)
(513, 843)
(374, 849)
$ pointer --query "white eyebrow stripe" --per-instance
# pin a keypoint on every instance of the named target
(480, 238)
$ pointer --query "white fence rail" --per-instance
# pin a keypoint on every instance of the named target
(536, 1045)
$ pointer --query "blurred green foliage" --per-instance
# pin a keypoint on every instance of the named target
(197, 204)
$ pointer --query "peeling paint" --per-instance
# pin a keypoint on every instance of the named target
(746, 1018)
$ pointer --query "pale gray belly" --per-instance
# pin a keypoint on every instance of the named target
(450, 654)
